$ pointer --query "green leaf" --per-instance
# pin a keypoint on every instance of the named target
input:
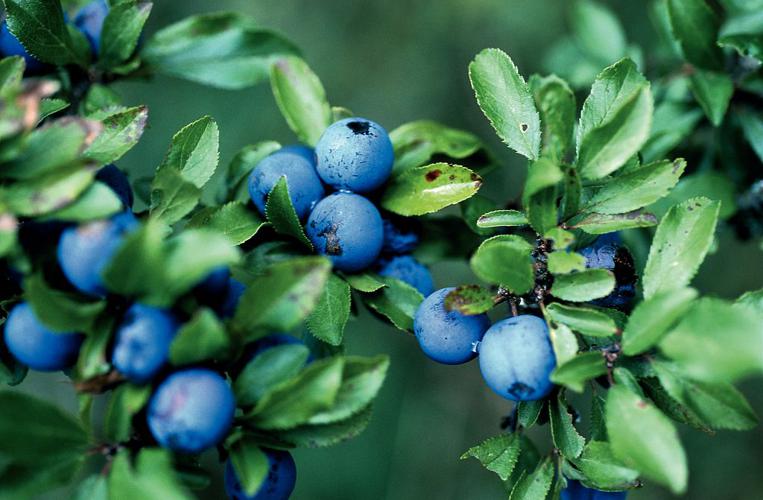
(301, 98)
(680, 244)
(224, 49)
(562, 262)
(427, 189)
(328, 319)
(716, 341)
(645, 439)
(636, 188)
(362, 379)
(528, 412)
(574, 373)
(97, 202)
(251, 465)
(672, 123)
(473, 208)
(583, 286)
(268, 368)
(598, 31)
(318, 436)
(137, 267)
(121, 131)
(540, 195)
(194, 151)
(295, 401)
(151, 477)
(497, 454)
(742, 31)
(94, 356)
(614, 121)
(603, 224)
(695, 26)
(506, 101)
(563, 341)
(93, 487)
(126, 401)
(566, 438)
(282, 215)
(121, 31)
(653, 318)
(364, 282)
(100, 99)
(556, 103)
(172, 197)
(397, 301)
(535, 485)
(241, 167)
(584, 320)
(234, 220)
(415, 143)
(541, 175)
(505, 260)
(11, 73)
(61, 311)
(719, 405)
(713, 91)
(601, 469)
(752, 127)
(470, 299)
(48, 433)
(502, 218)
(11, 371)
(708, 183)
(47, 193)
(283, 296)
(202, 338)
(40, 27)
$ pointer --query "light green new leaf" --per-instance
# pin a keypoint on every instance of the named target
(172, 197)
(301, 98)
(563, 262)
(583, 286)
(680, 244)
(505, 260)
(598, 32)
(234, 220)
(584, 320)
(652, 318)
(603, 224)
(427, 189)
(556, 103)
(328, 319)
(502, 218)
(470, 299)
(497, 454)
(416, 142)
(397, 301)
(98, 201)
(506, 101)
(601, 469)
(645, 439)
(574, 373)
(194, 151)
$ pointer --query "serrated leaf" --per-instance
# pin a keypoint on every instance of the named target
(645, 439)
(397, 301)
(318, 436)
(584, 320)
(470, 299)
(653, 318)
(172, 197)
(427, 189)
(578, 370)
(152, 476)
(583, 286)
(695, 26)
(202, 338)
(364, 282)
(61, 311)
(194, 151)
(566, 438)
(121, 131)
(40, 27)
(268, 368)
(505, 260)
(556, 103)
(713, 91)
(234, 220)
(497, 454)
(121, 31)
(282, 296)
(601, 469)
(250, 464)
(604, 224)
(535, 485)
(680, 244)
(506, 101)
(282, 215)
(301, 98)
(328, 319)
(415, 143)
(529, 411)
(716, 341)
(223, 49)
(502, 218)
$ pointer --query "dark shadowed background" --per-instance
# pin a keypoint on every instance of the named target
(396, 61)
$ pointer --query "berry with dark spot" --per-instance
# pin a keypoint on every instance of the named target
(85, 250)
(277, 485)
(407, 269)
(298, 167)
(192, 410)
(576, 491)
(447, 337)
(37, 347)
(354, 154)
(607, 252)
(516, 358)
(143, 341)
(347, 228)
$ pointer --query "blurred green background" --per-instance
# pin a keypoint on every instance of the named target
(397, 61)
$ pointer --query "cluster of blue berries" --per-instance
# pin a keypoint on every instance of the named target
(191, 409)
(88, 20)
(331, 188)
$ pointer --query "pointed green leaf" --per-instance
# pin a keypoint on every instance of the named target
(502, 218)
(397, 301)
(427, 189)
(603, 224)
(535, 485)
(578, 370)
(556, 103)
(282, 215)
(415, 143)
(566, 437)
(505, 260)
(234, 220)
(497, 454)
(713, 91)
(328, 319)
(268, 369)
(652, 318)
(584, 320)
(694, 25)
(583, 286)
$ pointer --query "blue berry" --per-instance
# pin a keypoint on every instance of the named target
(409, 270)
(84, 251)
(143, 342)
(89, 20)
(10, 46)
(117, 181)
(192, 410)
(305, 152)
(400, 237)
(608, 253)
(231, 297)
(516, 358)
(447, 336)
(355, 154)
(347, 228)
(576, 491)
(305, 188)
(278, 484)
(36, 346)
